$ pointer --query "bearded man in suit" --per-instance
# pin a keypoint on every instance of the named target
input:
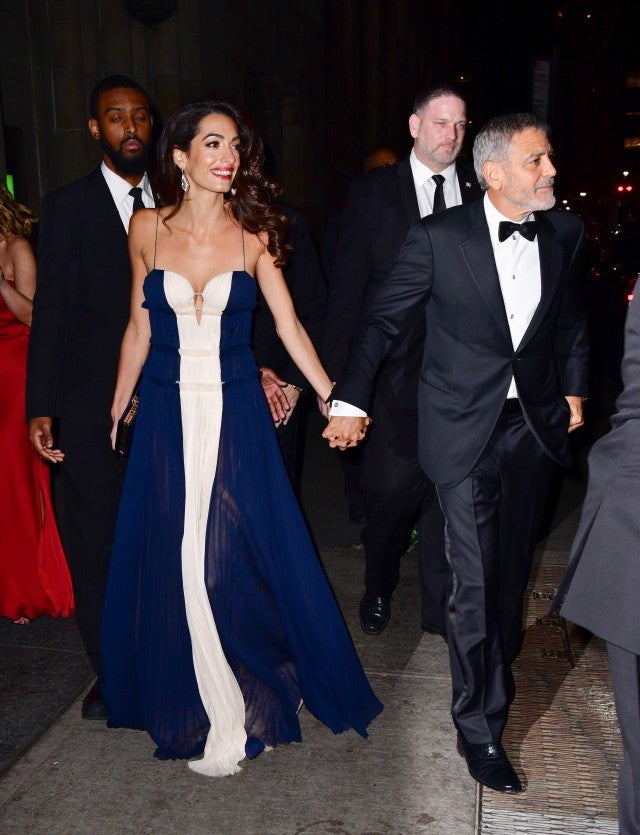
(80, 311)
(502, 381)
(382, 206)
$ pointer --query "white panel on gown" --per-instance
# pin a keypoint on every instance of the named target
(201, 402)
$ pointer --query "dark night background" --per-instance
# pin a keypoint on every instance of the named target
(327, 81)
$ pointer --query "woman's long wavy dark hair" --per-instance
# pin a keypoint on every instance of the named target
(254, 204)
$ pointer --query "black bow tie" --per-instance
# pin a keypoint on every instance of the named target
(508, 227)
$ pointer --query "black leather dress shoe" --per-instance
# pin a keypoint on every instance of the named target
(375, 612)
(93, 707)
(490, 766)
(430, 629)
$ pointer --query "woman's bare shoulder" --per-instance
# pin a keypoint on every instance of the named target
(145, 219)
(255, 241)
(253, 247)
(19, 253)
(17, 245)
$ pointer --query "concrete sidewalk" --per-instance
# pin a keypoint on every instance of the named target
(406, 779)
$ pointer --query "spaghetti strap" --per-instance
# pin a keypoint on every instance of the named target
(244, 260)
(155, 246)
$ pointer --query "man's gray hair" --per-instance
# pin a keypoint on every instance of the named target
(494, 138)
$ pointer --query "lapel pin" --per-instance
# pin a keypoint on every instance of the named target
(467, 185)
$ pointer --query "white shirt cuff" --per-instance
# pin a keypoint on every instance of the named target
(341, 409)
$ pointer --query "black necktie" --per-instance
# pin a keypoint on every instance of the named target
(136, 193)
(438, 195)
(508, 227)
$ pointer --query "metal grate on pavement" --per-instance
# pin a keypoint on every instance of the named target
(562, 733)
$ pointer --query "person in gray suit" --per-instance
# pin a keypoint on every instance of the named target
(599, 590)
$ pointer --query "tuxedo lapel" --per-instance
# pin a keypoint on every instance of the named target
(408, 191)
(478, 253)
(551, 255)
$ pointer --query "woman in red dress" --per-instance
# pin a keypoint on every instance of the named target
(34, 578)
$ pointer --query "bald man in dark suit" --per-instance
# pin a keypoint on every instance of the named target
(382, 206)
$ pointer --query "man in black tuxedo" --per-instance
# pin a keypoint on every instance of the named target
(382, 206)
(80, 312)
(502, 380)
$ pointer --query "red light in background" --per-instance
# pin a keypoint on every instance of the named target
(629, 188)
(620, 188)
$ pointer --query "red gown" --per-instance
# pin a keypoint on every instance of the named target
(34, 577)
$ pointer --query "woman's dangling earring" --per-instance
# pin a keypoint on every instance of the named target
(184, 183)
(233, 191)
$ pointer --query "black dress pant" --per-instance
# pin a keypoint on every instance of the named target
(492, 519)
(351, 463)
(87, 496)
(399, 495)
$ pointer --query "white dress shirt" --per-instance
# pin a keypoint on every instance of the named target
(425, 186)
(120, 189)
(518, 264)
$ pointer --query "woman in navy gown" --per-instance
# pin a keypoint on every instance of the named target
(219, 621)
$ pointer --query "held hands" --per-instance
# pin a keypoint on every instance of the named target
(346, 432)
(576, 419)
(42, 440)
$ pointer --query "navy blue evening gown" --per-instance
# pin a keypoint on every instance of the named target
(219, 621)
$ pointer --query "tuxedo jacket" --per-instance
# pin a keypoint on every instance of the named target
(381, 208)
(600, 587)
(306, 284)
(447, 269)
(81, 306)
